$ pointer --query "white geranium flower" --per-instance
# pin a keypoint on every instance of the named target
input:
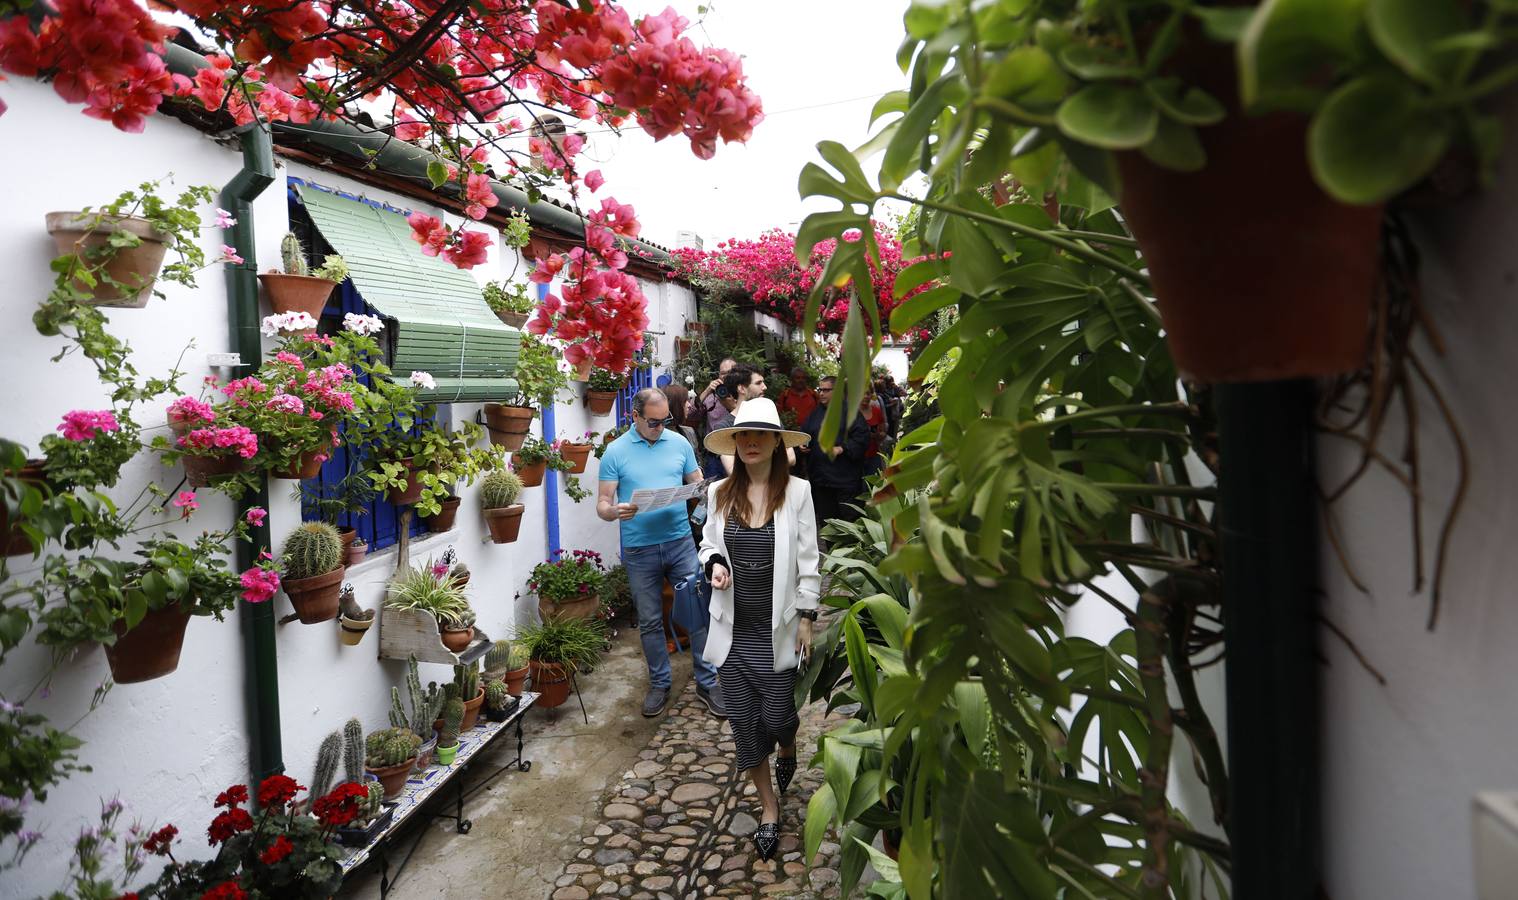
(363, 324)
(424, 380)
(273, 326)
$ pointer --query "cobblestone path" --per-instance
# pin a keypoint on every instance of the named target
(678, 824)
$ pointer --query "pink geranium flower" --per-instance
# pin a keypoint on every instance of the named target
(187, 503)
(255, 516)
(259, 584)
(84, 424)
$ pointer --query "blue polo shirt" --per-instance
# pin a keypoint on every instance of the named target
(635, 464)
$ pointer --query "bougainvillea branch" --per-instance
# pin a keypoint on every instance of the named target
(448, 72)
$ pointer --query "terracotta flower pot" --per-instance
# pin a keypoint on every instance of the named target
(584, 608)
(202, 470)
(16, 541)
(514, 319)
(297, 293)
(505, 523)
(697, 327)
(457, 641)
(578, 455)
(472, 712)
(393, 778)
(600, 402)
(412, 491)
(683, 346)
(135, 268)
(508, 425)
(347, 536)
(551, 681)
(355, 553)
(514, 679)
(309, 465)
(151, 650)
(353, 630)
(443, 521)
(1258, 273)
(532, 475)
(316, 599)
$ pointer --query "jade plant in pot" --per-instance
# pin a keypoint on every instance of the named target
(389, 754)
(311, 564)
(503, 514)
(557, 649)
(448, 738)
(297, 288)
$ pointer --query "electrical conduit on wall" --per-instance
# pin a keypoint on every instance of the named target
(550, 478)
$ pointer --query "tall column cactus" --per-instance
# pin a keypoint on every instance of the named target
(453, 716)
(293, 255)
(353, 750)
(326, 764)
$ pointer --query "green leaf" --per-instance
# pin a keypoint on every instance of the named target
(1188, 105)
(974, 714)
(1028, 76)
(1110, 116)
(1292, 47)
(1409, 32)
(1176, 146)
(916, 860)
(914, 309)
(437, 173)
(1374, 138)
(1095, 63)
(840, 767)
(821, 810)
(863, 669)
(885, 866)
(902, 154)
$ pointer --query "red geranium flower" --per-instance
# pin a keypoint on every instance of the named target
(227, 890)
(158, 843)
(341, 806)
(232, 796)
(231, 822)
(276, 851)
(277, 791)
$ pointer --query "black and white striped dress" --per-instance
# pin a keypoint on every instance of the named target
(758, 699)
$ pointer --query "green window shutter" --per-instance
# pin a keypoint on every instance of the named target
(439, 321)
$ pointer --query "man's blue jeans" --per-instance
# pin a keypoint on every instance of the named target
(647, 567)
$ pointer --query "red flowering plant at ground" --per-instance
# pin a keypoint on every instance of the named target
(451, 74)
(276, 852)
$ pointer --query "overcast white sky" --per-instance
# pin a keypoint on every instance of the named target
(797, 54)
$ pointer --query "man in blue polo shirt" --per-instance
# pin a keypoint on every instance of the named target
(655, 544)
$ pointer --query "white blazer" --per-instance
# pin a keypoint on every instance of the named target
(797, 582)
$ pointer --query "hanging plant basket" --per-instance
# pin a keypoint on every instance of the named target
(505, 523)
(515, 679)
(133, 267)
(308, 466)
(683, 346)
(457, 640)
(551, 681)
(508, 425)
(443, 521)
(316, 599)
(578, 456)
(514, 319)
(600, 402)
(297, 293)
(200, 471)
(472, 712)
(151, 650)
(697, 327)
(532, 475)
(16, 542)
(413, 490)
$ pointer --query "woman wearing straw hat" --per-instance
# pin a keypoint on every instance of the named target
(759, 549)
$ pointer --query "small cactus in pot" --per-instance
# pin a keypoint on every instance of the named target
(448, 741)
(311, 561)
(388, 754)
(498, 495)
(498, 700)
(297, 288)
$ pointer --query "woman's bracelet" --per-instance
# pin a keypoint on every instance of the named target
(809, 614)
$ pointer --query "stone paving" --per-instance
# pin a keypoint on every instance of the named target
(678, 824)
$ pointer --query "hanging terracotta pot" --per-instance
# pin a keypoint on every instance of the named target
(697, 327)
(600, 402)
(514, 319)
(508, 425)
(316, 599)
(505, 523)
(457, 640)
(582, 369)
(150, 650)
(1258, 274)
(551, 681)
(309, 465)
(443, 521)
(577, 455)
(135, 268)
(532, 475)
(393, 778)
(683, 346)
(200, 471)
(413, 489)
(16, 541)
(297, 293)
(514, 679)
(472, 712)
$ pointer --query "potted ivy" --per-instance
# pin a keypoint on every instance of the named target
(297, 288)
(389, 754)
(576, 452)
(539, 382)
(498, 497)
(534, 458)
(510, 301)
(568, 586)
(601, 391)
(556, 650)
(311, 561)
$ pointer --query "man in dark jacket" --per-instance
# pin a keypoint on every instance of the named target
(837, 472)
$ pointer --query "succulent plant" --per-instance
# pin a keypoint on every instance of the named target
(349, 605)
(450, 691)
(353, 751)
(453, 716)
(293, 255)
(500, 489)
(312, 549)
(398, 718)
(519, 657)
(326, 764)
(456, 620)
(459, 571)
(498, 657)
(390, 747)
(374, 803)
(333, 268)
(495, 694)
(468, 680)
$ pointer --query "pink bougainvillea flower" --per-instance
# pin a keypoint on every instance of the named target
(255, 516)
(594, 180)
(470, 251)
(187, 503)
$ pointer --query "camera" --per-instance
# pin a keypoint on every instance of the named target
(724, 392)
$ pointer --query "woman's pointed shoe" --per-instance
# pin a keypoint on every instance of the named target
(785, 770)
(767, 840)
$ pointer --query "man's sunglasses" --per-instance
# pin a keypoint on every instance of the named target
(660, 423)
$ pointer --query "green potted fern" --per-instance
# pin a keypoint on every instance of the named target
(311, 571)
(448, 741)
(297, 288)
(557, 649)
(503, 514)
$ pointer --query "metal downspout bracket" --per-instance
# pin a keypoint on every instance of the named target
(262, 679)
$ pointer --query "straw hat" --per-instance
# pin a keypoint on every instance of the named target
(758, 414)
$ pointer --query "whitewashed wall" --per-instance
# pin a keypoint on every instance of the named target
(166, 747)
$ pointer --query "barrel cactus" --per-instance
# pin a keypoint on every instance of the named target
(353, 751)
(453, 716)
(390, 747)
(312, 549)
(326, 764)
(293, 255)
(500, 489)
(495, 695)
(518, 658)
(498, 657)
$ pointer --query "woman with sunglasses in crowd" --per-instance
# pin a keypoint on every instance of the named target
(759, 550)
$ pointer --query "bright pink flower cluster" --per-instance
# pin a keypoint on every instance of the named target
(207, 441)
(599, 312)
(259, 584)
(465, 249)
(186, 502)
(286, 403)
(85, 424)
(189, 409)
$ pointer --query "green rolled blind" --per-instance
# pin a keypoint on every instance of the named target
(440, 323)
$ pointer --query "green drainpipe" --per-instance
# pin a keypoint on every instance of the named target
(242, 316)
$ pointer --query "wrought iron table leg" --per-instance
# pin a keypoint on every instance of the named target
(521, 765)
(576, 685)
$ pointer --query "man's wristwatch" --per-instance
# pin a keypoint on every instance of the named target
(809, 614)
